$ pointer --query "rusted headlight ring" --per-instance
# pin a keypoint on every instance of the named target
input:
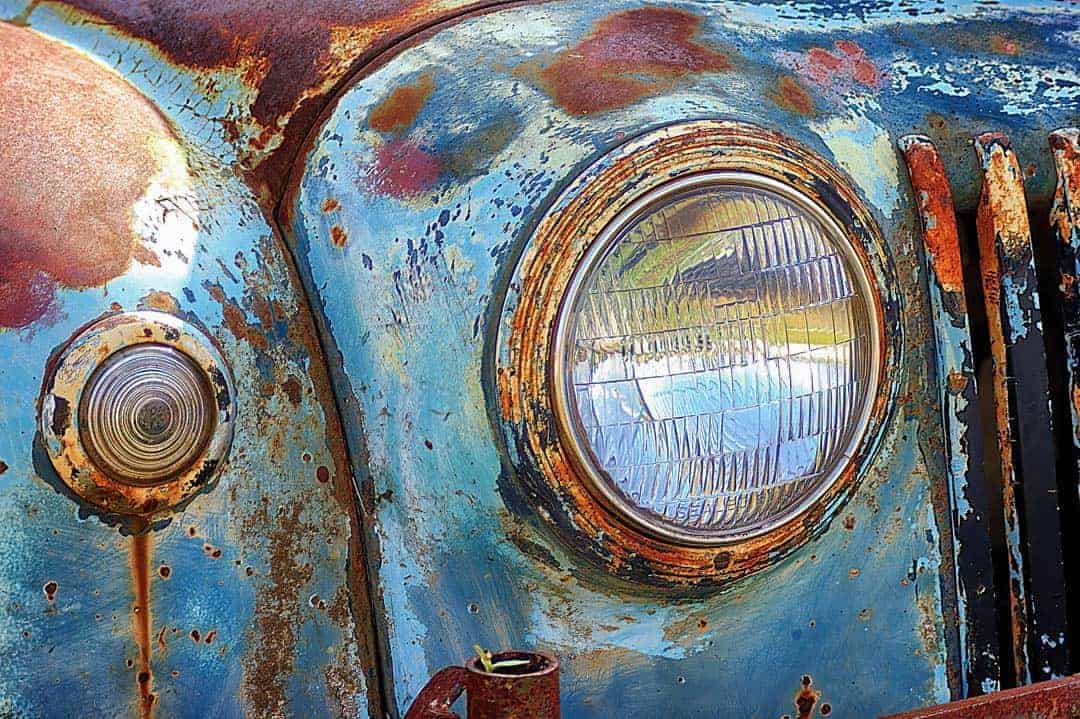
(551, 470)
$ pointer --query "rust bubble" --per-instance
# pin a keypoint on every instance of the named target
(322, 474)
(330, 205)
(338, 236)
(50, 590)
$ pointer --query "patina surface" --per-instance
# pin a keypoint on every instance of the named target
(411, 204)
(251, 599)
(957, 384)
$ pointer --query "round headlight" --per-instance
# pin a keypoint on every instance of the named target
(714, 359)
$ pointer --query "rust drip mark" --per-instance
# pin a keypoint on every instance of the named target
(140, 610)
(806, 698)
(399, 110)
(67, 206)
(629, 55)
(940, 235)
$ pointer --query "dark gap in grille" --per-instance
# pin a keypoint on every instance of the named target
(1046, 267)
(991, 459)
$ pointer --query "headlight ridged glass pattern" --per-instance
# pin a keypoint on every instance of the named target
(718, 359)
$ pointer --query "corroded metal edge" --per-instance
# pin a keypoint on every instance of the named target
(1057, 699)
(1065, 223)
(969, 504)
(523, 381)
(1022, 416)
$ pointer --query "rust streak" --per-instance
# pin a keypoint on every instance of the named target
(1001, 219)
(140, 611)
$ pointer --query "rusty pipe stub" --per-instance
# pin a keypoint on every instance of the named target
(137, 413)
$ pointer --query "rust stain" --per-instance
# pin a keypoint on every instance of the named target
(277, 604)
(67, 204)
(629, 55)
(806, 698)
(940, 234)
(160, 301)
(843, 69)
(398, 111)
(338, 236)
(1065, 145)
(141, 620)
(293, 390)
(790, 95)
(403, 169)
(292, 54)
(330, 204)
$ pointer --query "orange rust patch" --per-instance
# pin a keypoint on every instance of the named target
(790, 95)
(629, 55)
(1065, 215)
(940, 233)
(338, 236)
(330, 204)
(77, 148)
(400, 108)
(1003, 45)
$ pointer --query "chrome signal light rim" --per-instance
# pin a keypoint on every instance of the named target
(137, 414)
(560, 353)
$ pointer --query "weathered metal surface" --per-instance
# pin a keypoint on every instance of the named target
(252, 599)
(411, 298)
(528, 692)
(1056, 699)
(420, 193)
(539, 283)
(980, 649)
(1065, 222)
(1022, 413)
(244, 78)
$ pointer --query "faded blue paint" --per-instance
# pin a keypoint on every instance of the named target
(76, 655)
(412, 297)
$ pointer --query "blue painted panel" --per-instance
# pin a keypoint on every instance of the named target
(407, 228)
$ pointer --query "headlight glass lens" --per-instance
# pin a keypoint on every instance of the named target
(718, 358)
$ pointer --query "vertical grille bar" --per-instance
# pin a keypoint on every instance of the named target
(1065, 223)
(1022, 414)
(980, 648)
